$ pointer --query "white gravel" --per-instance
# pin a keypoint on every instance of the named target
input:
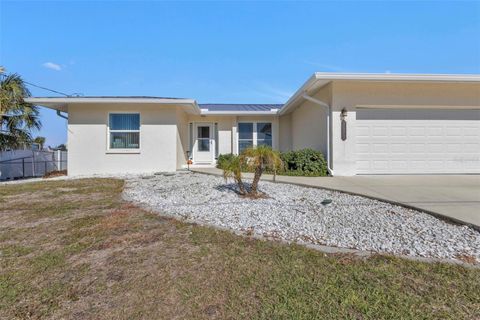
(295, 213)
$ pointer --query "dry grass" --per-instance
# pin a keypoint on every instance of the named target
(74, 250)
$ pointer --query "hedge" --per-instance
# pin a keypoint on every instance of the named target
(305, 162)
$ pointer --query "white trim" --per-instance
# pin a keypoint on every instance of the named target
(398, 77)
(41, 100)
(393, 106)
(229, 113)
(61, 103)
(123, 151)
(126, 150)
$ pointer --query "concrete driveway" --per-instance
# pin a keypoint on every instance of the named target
(456, 197)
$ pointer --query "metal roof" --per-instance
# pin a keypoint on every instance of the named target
(242, 107)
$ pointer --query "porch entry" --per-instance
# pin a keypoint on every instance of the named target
(204, 143)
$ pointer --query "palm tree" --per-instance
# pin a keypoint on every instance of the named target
(17, 118)
(232, 168)
(259, 159)
(40, 141)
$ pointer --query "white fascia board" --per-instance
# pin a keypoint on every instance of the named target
(399, 77)
(60, 103)
(298, 94)
(409, 106)
(239, 113)
(41, 100)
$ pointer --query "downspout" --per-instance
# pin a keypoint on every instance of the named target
(329, 111)
(61, 115)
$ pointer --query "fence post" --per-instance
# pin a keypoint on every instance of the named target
(23, 167)
(45, 172)
(33, 164)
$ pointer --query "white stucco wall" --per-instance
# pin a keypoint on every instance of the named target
(182, 138)
(87, 140)
(309, 123)
(285, 132)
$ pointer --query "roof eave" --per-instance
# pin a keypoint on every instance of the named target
(323, 78)
(239, 113)
(61, 103)
(298, 95)
(398, 77)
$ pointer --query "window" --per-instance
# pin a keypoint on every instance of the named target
(254, 134)
(203, 138)
(264, 134)
(245, 136)
(124, 130)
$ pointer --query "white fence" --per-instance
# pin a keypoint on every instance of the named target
(19, 164)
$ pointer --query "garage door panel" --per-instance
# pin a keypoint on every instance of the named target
(434, 148)
(398, 147)
(398, 132)
(418, 141)
(363, 131)
(453, 131)
(415, 131)
(434, 131)
(471, 131)
(380, 131)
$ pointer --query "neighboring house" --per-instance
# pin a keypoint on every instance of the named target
(362, 123)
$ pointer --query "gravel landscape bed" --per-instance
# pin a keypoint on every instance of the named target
(295, 213)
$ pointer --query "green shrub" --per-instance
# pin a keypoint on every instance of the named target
(223, 159)
(305, 162)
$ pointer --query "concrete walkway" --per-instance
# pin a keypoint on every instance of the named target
(455, 197)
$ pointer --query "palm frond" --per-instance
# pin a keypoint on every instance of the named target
(17, 117)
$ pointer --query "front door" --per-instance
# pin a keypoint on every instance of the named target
(203, 148)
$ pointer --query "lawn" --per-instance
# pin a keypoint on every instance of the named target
(74, 249)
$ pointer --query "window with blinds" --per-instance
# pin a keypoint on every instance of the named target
(124, 130)
(252, 134)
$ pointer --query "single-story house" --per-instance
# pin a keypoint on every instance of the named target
(362, 123)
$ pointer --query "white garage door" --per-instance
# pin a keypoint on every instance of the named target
(394, 141)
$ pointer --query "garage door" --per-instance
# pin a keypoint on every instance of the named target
(394, 141)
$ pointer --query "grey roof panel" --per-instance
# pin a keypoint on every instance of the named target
(215, 107)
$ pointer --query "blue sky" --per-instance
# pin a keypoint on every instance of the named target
(234, 52)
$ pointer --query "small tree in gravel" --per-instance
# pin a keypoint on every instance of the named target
(232, 168)
(259, 159)
(256, 159)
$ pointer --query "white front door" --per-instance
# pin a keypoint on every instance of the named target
(204, 143)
